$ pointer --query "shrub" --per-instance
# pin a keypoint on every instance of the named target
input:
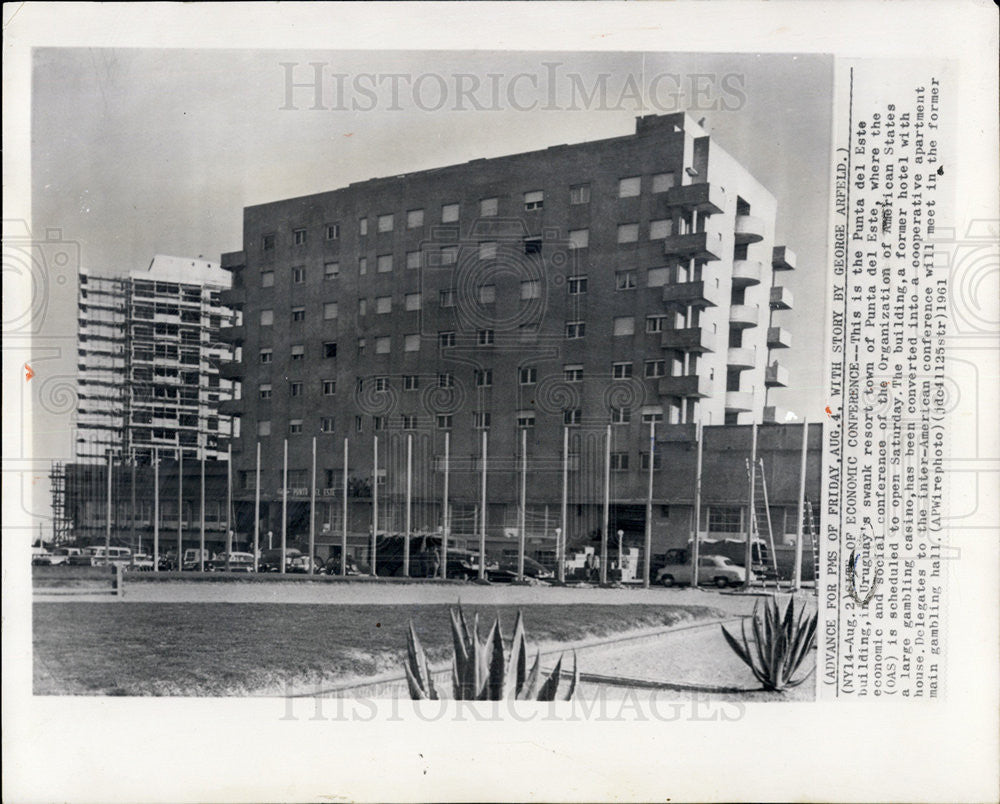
(780, 644)
(480, 671)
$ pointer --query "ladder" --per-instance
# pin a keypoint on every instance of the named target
(766, 573)
(810, 528)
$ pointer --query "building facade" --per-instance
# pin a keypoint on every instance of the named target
(148, 368)
(619, 283)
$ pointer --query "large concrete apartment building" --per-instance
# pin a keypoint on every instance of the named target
(620, 282)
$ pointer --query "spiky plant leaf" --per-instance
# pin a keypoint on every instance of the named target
(736, 647)
(497, 676)
(551, 685)
(530, 687)
(574, 680)
(417, 693)
(417, 664)
(518, 666)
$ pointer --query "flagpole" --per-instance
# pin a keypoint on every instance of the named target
(445, 520)
(230, 524)
(343, 535)
(256, 513)
(696, 546)
(648, 546)
(312, 510)
(482, 518)
(156, 509)
(523, 523)
(107, 528)
(375, 506)
(797, 578)
(180, 508)
(748, 555)
(563, 535)
(607, 506)
(409, 502)
(201, 541)
(284, 507)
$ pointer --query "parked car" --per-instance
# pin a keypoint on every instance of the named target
(60, 555)
(99, 556)
(464, 564)
(167, 561)
(141, 562)
(40, 556)
(238, 562)
(354, 567)
(193, 558)
(301, 563)
(270, 560)
(718, 570)
(507, 571)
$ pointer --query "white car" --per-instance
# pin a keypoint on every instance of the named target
(718, 570)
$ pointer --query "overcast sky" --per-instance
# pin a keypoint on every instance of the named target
(141, 152)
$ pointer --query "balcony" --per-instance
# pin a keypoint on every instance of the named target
(703, 197)
(739, 401)
(230, 369)
(776, 376)
(231, 407)
(688, 385)
(746, 273)
(778, 338)
(742, 316)
(749, 229)
(741, 358)
(233, 261)
(776, 415)
(781, 298)
(233, 297)
(232, 334)
(691, 294)
(691, 339)
(783, 259)
(696, 245)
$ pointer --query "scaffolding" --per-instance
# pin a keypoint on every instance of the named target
(62, 524)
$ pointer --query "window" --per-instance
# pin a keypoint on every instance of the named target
(484, 378)
(449, 213)
(652, 415)
(381, 384)
(294, 426)
(573, 416)
(330, 349)
(531, 289)
(621, 415)
(295, 389)
(359, 385)
(363, 226)
(624, 325)
(532, 245)
(267, 242)
(411, 342)
(331, 270)
(298, 314)
(383, 305)
(485, 337)
(383, 264)
(330, 310)
(487, 294)
(655, 323)
(408, 422)
(579, 238)
(657, 277)
(488, 250)
(573, 373)
(628, 232)
(412, 260)
(362, 266)
(359, 423)
(526, 418)
(575, 329)
(577, 285)
(446, 380)
(333, 231)
(326, 424)
(644, 461)
(444, 421)
(298, 275)
(383, 345)
(267, 279)
(265, 390)
(414, 219)
(579, 194)
(264, 428)
(298, 351)
(299, 237)
(361, 346)
(481, 419)
(725, 519)
(329, 387)
(266, 355)
(533, 200)
(488, 207)
(621, 371)
(663, 182)
(411, 301)
(362, 306)
(528, 375)
(625, 280)
(630, 187)
(449, 255)
(655, 368)
(446, 339)
(619, 461)
(660, 229)
(266, 318)
(411, 382)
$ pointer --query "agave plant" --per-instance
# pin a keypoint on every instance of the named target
(480, 671)
(780, 644)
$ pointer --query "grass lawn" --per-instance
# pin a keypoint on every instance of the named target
(239, 649)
